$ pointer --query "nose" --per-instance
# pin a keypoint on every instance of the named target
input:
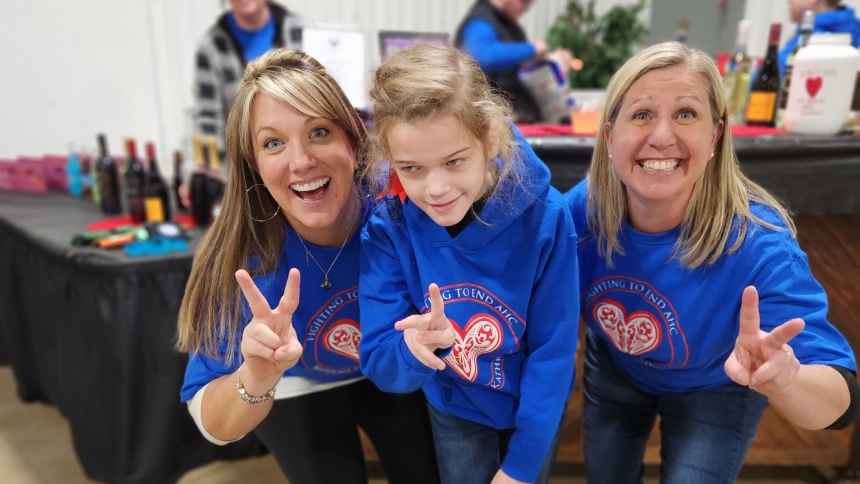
(663, 135)
(437, 183)
(302, 158)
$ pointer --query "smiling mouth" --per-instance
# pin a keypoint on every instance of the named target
(442, 207)
(313, 190)
(659, 166)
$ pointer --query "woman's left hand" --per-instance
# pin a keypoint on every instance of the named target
(502, 478)
(763, 361)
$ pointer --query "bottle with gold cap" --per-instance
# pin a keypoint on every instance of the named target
(201, 206)
(215, 181)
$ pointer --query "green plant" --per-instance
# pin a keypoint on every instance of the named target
(603, 43)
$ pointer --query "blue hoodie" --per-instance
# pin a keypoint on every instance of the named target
(508, 287)
(843, 20)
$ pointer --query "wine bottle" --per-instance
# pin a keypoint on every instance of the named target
(135, 181)
(761, 108)
(157, 200)
(805, 33)
(201, 208)
(216, 185)
(177, 181)
(737, 78)
(107, 179)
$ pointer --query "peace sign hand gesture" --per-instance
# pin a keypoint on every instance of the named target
(763, 361)
(425, 333)
(269, 343)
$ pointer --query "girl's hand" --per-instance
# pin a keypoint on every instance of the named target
(763, 361)
(502, 478)
(425, 333)
(269, 344)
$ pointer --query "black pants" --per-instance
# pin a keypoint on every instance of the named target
(315, 441)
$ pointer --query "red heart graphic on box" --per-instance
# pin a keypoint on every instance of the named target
(634, 334)
(813, 85)
(343, 338)
(482, 335)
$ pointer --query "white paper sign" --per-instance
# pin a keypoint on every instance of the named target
(342, 54)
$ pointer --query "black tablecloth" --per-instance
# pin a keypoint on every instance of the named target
(93, 333)
(811, 174)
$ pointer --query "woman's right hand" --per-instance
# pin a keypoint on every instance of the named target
(269, 343)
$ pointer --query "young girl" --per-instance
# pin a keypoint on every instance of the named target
(466, 271)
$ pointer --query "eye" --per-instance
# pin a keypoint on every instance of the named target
(408, 168)
(687, 114)
(457, 162)
(272, 144)
(641, 116)
(319, 133)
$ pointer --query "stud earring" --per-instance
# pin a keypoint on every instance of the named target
(610, 157)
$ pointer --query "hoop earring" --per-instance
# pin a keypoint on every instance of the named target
(261, 206)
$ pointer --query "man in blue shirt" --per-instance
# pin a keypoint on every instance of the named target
(830, 16)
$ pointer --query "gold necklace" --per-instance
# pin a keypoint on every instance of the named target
(310, 257)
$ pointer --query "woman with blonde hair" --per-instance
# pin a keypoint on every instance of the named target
(700, 304)
(276, 364)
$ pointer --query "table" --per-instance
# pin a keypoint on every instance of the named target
(92, 332)
(811, 174)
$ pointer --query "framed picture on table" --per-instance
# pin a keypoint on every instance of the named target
(392, 42)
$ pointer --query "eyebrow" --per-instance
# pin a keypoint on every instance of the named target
(404, 162)
(307, 121)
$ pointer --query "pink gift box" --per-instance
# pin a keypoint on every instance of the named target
(8, 168)
(55, 169)
(30, 175)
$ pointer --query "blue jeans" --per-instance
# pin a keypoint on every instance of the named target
(472, 453)
(705, 435)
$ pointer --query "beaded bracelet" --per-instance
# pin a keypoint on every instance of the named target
(251, 400)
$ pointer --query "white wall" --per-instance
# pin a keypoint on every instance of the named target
(72, 69)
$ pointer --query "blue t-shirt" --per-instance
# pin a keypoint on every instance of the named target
(842, 20)
(506, 281)
(671, 329)
(326, 321)
(481, 41)
(254, 42)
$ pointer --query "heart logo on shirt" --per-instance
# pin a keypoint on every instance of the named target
(634, 334)
(482, 335)
(813, 85)
(343, 338)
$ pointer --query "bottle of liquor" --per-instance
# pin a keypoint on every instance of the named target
(805, 33)
(683, 29)
(761, 108)
(201, 207)
(157, 200)
(737, 78)
(177, 181)
(107, 179)
(216, 184)
(135, 183)
(86, 174)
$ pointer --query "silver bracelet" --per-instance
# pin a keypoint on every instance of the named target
(251, 400)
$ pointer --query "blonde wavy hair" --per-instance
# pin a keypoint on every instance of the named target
(210, 310)
(722, 195)
(425, 81)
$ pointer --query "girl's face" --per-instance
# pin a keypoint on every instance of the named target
(442, 169)
(662, 141)
(307, 165)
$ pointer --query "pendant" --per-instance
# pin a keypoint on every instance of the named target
(326, 285)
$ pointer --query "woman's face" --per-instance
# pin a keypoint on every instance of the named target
(307, 164)
(662, 141)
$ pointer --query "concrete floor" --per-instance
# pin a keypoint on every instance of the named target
(36, 448)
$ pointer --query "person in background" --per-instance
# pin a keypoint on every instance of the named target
(700, 304)
(283, 362)
(250, 29)
(491, 35)
(830, 16)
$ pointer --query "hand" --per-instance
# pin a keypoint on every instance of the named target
(565, 60)
(269, 344)
(763, 361)
(425, 333)
(540, 49)
(502, 478)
